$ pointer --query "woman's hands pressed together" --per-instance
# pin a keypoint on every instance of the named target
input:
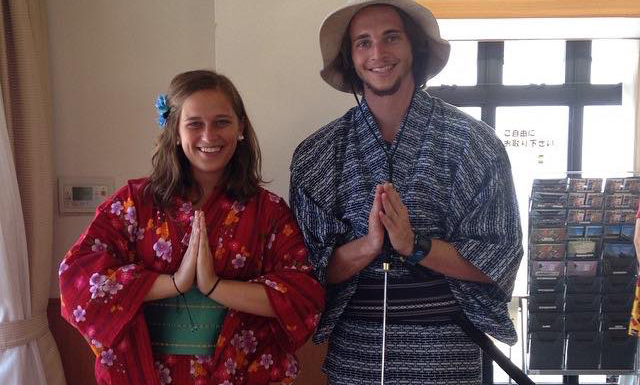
(197, 267)
(185, 276)
(206, 275)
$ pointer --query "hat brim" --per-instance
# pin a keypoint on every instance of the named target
(335, 26)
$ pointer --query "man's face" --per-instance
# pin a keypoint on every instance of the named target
(381, 50)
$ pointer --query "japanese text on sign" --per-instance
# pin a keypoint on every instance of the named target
(525, 138)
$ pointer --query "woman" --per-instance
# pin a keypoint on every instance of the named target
(200, 226)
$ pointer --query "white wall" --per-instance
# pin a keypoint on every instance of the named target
(270, 50)
(110, 58)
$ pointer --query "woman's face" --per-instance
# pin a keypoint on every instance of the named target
(208, 131)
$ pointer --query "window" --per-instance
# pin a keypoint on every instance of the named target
(557, 106)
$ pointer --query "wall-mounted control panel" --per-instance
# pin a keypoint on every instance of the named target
(82, 195)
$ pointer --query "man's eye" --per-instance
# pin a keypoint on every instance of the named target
(393, 38)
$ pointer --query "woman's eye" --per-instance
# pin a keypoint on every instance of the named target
(363, 44)
(222, 123)
(194, 124)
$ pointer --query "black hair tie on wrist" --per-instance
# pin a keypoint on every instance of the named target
(173, 278)
(214, 286)
(186, 305)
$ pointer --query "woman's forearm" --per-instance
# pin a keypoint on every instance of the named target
(247, 297)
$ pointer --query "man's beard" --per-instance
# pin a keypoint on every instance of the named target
(384, 92)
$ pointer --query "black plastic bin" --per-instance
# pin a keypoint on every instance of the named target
(583, 350)
(586, 321)
(615, 321)
(546, 285)
(617, 302)
(619, 283)
(582, 303)
(618, 350)
(546, 350)
(550, 303)
(583, 285)
(539, 322)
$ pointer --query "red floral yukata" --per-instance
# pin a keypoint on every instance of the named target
(109, 270)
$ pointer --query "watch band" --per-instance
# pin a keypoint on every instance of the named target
(421, 248)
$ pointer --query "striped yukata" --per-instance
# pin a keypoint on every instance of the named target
(453, 175)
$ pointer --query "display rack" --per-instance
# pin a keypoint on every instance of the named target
(582, 274)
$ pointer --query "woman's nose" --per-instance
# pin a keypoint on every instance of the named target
(209, 133)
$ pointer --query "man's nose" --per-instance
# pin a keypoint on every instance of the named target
(378, 50)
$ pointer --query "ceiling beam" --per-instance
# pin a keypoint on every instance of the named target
(490, 9)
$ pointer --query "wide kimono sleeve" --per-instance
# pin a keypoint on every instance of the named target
(322, 231)
(101, 284)
(483, 222)
(312, 194)
(266, 345)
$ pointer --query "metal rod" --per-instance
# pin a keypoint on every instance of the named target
(385, 268)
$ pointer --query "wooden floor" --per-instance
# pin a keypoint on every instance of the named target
(78, 360)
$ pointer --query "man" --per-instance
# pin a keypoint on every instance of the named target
(435, 181)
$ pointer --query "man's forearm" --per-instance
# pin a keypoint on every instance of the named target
(348, 259)
(445, 259)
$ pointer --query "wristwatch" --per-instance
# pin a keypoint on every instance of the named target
(421, 248)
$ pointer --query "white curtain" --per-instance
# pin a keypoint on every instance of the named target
(20, 362)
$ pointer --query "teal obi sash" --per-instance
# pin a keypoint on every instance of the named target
(178, 329)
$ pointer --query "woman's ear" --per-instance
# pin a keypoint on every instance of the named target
(242, 127)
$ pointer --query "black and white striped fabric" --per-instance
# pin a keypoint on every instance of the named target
(411, 299)
(415, 355)
(453, 175)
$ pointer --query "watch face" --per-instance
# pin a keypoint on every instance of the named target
(423, 242)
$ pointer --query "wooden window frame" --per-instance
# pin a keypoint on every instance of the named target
(505, 9)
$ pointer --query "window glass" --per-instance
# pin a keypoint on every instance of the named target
(608, 131)
(612, 60)
(475, 112)
(536, 141)
(534, 62)
(607, 140)
(462, 67)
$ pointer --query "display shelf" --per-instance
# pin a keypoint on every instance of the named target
(586, 372)
(522, 308)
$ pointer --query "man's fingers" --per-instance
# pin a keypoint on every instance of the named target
(386, 222)
(389, 208)
(394, 196)
(377, 204)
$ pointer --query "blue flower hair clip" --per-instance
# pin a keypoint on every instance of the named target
(163, 109)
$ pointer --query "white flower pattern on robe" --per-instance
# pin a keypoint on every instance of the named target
(163, 373)
(163, 249)
(107, 357)
(79, 314)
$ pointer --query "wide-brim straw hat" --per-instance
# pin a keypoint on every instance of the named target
(336, 25)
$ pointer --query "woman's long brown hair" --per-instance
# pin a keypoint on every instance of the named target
(171, 174)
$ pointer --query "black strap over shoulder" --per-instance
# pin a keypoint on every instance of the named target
(481, 339)
(490, 349)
